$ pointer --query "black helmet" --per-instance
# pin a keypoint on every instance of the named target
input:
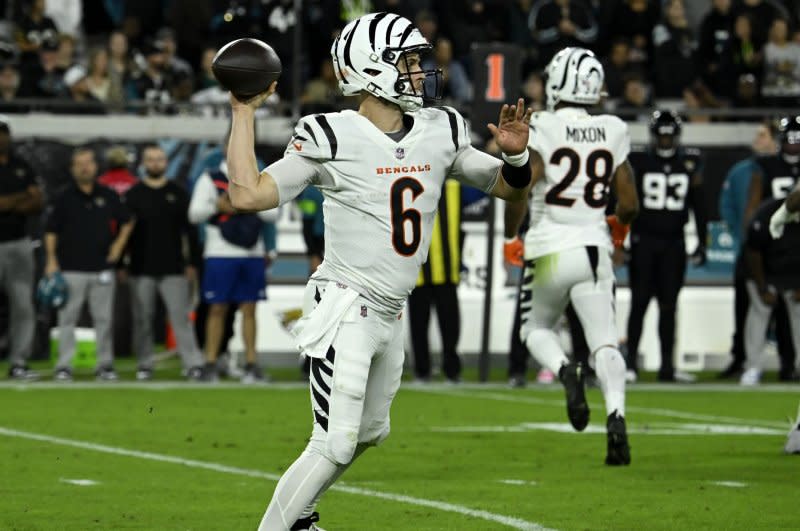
(789, 135)
(665, 128)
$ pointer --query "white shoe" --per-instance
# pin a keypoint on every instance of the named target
(751, 376)
(631, 376)
(793, 439)
(545, 376)
(685, 377)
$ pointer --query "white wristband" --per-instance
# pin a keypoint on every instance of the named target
(518, 160)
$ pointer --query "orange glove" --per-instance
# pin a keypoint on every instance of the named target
(618, 230)
(512, 251)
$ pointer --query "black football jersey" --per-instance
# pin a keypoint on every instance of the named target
(778, 177)
(663, 186)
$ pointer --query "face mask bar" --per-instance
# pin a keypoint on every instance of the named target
(432, 84)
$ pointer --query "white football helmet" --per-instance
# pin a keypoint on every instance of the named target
(365, 57)
(574, 75)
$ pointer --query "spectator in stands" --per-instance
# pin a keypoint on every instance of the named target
(747, 93)
(673, 52)
(746, 54)
(697, 96)
(9, 87)
(86, 231)
(117, 177)
(618, 67)
(76, 79)
(175, 65)
(65, 57)
(715, 50)
(322, 93)
(233, 266)
(518, 32)
(98, 80)
(556, 24)
(761, 13)
(20, 196)
(636, 100)
(205, 77)
(33, 31)
(154, 83)
(159, 262)
(772, 266)
(635, 20)
(469, 21)
(119, 67)
(454, 78)
(437, 285)
(44, 79)
(427, 24)
(732, 203)
(781, 84)
(533, 91)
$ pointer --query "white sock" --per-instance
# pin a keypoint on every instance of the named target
(544, 347)
(300, 486)
(610, 369)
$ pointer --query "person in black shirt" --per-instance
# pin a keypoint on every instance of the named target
(669, 182)
(774, 178)
(86, 231)
(772, 270)
(20, 196)
(158, 250)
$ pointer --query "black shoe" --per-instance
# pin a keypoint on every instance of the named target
(62, 375)
(307, 524)
(144, 374)
(252, 374)
(22, 372)
(732, 372)
(517, 381)
(619, 453)
(788, 376)
(572, 376)
(195, 374)
(210, 372)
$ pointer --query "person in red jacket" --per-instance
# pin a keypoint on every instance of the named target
(118, 177)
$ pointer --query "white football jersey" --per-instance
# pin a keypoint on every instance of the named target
(580, 154)
(381, 196)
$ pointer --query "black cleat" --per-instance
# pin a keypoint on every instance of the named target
(572, 375)
(619, 453)
(307, 524)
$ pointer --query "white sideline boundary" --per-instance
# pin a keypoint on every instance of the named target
(508, 521)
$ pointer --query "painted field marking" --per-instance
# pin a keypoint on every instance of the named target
(731, 484)
(80, 482)
(661, 412)
(652, 428)
(508, 521)
(517, 482)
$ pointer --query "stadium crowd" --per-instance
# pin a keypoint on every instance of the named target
(112, 56)
(154, 57)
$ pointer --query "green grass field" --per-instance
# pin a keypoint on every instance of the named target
(166, 456)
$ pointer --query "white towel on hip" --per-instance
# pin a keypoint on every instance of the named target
(315, 331)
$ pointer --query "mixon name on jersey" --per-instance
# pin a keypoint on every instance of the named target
(403, 169)
(586, 134)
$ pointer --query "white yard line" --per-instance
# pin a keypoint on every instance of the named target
(731, 484)
(508, 521)
(518, 398)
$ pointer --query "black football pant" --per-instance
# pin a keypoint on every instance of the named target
(657, 269)
(445, 298)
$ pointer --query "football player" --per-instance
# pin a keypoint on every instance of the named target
(576, 159)
(669, 181)
(381, 171)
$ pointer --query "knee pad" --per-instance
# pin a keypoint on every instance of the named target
(340, 446)
(381, 435)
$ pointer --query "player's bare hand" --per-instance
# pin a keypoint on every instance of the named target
(769, 297)
(256, 101)
(511, 131)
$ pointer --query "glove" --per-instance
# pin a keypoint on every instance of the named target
(512, 251)
(698, 257)
(779, 219)
(619, 231)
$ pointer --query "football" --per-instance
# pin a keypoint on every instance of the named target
(246, 67)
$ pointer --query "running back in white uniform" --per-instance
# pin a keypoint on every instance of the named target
(580, 153)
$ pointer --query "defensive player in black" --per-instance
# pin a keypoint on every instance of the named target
(775, 178)
(669, 182)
